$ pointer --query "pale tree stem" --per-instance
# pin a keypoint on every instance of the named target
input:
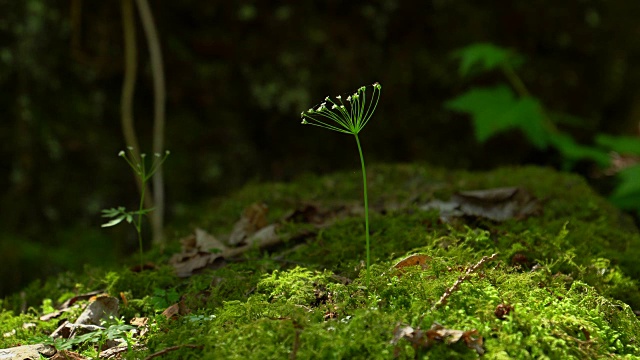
(128, 88)
(159, 92)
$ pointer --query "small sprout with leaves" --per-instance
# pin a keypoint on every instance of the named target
(119, 214)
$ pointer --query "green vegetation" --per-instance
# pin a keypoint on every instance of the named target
(500, 108)
(350, 121)
(563, 285)
(143, 174)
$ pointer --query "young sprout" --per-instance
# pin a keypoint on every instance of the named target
(350, 119)
(144, 173)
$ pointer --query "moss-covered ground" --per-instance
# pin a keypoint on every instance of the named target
(563, 285)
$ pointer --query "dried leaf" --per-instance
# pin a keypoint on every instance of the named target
(254, 218)
(437, 333)
(28, 352)
(139, 321)
(67, 355)
(171, 311)
(100, 309)
(497, 204)
(414, 260)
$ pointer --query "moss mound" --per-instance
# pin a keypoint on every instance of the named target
(562, 285)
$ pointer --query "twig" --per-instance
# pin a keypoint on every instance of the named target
(172, 348)
(461, 279)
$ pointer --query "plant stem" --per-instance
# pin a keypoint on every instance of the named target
(366, 205)
(140, 209)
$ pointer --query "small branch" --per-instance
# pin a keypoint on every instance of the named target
(173, 348)
(461, 279)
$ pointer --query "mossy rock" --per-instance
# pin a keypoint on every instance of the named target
(563, 284)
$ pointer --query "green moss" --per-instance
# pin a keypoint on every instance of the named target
(569, 275)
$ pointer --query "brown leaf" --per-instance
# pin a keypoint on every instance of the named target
(67, 355)
(196, 253)
(254, 218)
(171, 311)
(99, 309)
(413, 260)
(497, 204)
(28, 352)
(437, 333)
(139, 321)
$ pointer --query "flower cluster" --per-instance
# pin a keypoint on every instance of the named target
(349, 119)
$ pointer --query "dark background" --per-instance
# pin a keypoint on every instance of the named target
(238, 75)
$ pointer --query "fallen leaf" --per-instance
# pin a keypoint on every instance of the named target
(197, 253)
(65, 306)
(171, 311)
(497, 204)
(413, 260)
(98, 310)
(28, 352)
(67, 355)
(139, 321)
(437, 333)
(207, 242)
(254, 218)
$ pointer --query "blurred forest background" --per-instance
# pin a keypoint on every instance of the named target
(238, 74)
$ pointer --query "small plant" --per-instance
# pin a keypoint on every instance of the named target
(512, 106)
(350, 119)
(139, 168)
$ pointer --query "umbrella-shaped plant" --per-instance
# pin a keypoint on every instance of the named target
(348, 116)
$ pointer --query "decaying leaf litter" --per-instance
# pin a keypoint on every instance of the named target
(467, 227)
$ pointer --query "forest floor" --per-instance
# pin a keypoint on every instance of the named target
(516, 263)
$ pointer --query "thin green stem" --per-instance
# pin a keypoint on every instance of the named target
(140, 209)
(522, 91)
(366, 206)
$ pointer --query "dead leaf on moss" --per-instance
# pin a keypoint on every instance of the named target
(28, 352)
(437, 334)
(139, 321)
(254, 218)
(197, 253)
(67, 355)
(98, 310)
(322, 217)
(413, 260)
(171, 311)
(194, 258)
(498, 204)
(65, 306)
(114, 352)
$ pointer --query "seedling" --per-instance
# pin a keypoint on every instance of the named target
(139, 168)
(349, 119)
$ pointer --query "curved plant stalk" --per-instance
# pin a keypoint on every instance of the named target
(159, 93)
(350, 119)
(128, 87)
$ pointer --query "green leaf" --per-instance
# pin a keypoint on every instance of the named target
(573, 151)
(497, 109)
(627, 194)
(483, 57)
(629, 145)
(112, 212)
(115, 221)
